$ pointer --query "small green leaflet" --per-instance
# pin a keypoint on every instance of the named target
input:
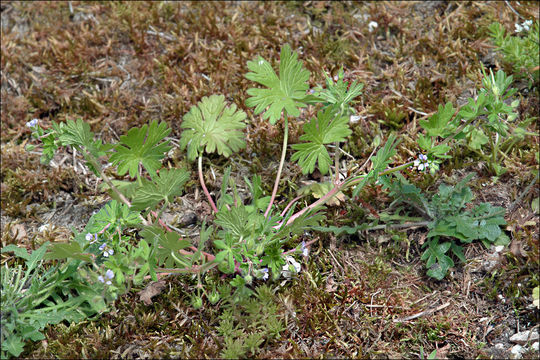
(66, 251)
(211, 126)
(288, 91)
(78, 135)
(325, 129)
(113, 215)
(166, 185)
(439, 123)
(339, 93)
(234, 221)
(141, 146)
(437, 262)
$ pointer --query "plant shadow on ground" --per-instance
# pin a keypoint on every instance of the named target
(121, 65)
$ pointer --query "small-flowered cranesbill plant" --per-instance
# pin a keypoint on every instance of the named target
(246, 241)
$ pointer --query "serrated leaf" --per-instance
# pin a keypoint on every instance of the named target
(288, 91)
(66, 251)
(78, 135)
(143, 146)
(339, 93)
(113, 215)
(437, 262)
(234, 221)
(13, 344)
(318, 132)
(438, 123)
(165, 186)
(212, 126)
(318, 190)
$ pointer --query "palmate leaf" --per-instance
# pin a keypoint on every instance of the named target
(166, 185)
(325, 129)
(78, 135)
(211, 126)
(439, 123)
(141, 146)
(288, 91)
(339, 93)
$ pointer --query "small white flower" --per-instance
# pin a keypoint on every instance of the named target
(265, 271)
(354, 119)
(372, 26)
(292, 267)
(109, 273)
(44, 227)
(519, 28)
(32, 123)
(527, 25)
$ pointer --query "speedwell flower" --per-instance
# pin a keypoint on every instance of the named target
(106, 252)
(92, 238)
(109, 274)
(32, 123)
(421, 163)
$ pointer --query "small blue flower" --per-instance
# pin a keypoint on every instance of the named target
(92, 238)
(32, 123)
(422, 162)
(109, 274)
(106, 252)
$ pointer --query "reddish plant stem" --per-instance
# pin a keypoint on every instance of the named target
(205, 190)
(209, 257)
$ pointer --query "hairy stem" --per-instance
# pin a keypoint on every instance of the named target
(205, 190)
(321, 201)
(280, 168)
(339, 187)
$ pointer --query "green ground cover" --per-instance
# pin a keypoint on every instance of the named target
(414, 254)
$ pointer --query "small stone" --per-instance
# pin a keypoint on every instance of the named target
(189, 218)
(499, 346)
(516, 351)
(535, 346)
(523, 337)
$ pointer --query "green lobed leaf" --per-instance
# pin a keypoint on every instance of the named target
(439, 123)
(288, 91)
(318, 132)
(339, 93)
(165, 186)
(145, 146)
(211, 126)
(70, 250)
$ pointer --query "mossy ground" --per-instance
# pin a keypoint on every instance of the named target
(120, 65)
